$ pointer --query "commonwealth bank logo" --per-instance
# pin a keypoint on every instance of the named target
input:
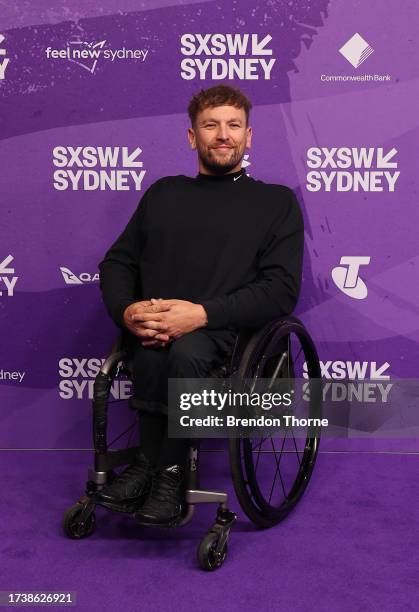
(356, 50)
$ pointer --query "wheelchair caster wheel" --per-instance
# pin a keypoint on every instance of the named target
(209, 558)
(73, 525)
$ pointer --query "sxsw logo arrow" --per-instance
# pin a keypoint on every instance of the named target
(9, 281)
(383, 160)
(3, 62)
(129, 160)
(258, 47)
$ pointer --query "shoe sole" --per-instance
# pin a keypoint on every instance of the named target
(123, 508)
(171, 525)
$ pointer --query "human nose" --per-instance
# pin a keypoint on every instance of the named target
(222, 133)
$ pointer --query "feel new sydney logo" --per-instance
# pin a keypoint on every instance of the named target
(87, 54)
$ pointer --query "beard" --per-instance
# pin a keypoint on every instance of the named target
(220, 163)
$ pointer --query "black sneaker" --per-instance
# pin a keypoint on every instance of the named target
(166, 503)
(128, 491)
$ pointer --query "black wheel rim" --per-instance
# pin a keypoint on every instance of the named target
(214, 559)
(78, 528)
(276, 471)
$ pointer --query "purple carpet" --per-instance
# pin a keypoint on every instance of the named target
(351, 544)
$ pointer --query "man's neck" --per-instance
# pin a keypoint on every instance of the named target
(205, 170)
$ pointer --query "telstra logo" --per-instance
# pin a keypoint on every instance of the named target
(346, 276)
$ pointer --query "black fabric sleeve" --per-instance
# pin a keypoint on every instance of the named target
(119, 270)
(276, 289)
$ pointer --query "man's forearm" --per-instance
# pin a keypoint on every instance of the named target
(119, 270)
(117, 285)
(202, 317)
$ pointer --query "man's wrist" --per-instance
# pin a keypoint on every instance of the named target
(203, 317)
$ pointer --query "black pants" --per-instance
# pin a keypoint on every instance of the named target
(194, 355)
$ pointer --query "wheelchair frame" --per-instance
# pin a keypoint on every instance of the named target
(250, 355)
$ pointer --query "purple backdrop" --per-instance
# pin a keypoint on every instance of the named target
(93, 96)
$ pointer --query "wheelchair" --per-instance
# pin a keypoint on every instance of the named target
(269, 475)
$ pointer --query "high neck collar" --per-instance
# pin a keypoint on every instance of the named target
(221, 178)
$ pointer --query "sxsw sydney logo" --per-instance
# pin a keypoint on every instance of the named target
(77, 379)
(3, 59)
(245, 57)
(8, 279)
(91, 168)
(87, 54)
(352, 169)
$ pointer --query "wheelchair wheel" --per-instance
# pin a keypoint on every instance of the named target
(208, 558)
(271, 474)
(73, 527)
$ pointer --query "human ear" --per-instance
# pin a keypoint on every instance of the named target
(191, 138)
(248, 137)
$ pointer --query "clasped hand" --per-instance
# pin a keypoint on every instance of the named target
(158, 322)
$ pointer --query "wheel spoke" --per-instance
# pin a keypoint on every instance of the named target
(298, 354)
(130, 435)
(259, 444)
(121, 434)
(296, 449)
(277, 471)
(255, 378)
(257, 460)
(277, 369)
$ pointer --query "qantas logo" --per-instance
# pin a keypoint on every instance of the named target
(72, 279)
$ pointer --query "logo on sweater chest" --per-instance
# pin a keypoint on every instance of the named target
(90, 168)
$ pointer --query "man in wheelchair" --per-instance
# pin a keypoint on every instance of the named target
(200, 259)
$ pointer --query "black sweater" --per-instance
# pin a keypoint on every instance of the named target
(231, 243)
